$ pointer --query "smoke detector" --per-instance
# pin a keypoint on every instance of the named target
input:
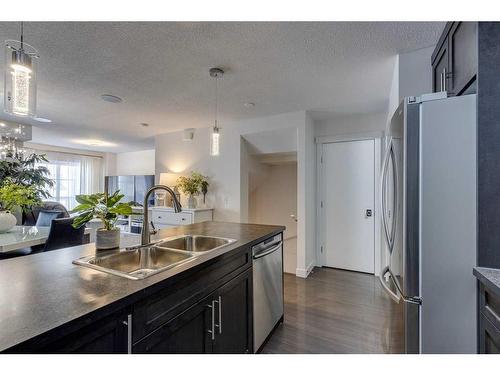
(188, 134)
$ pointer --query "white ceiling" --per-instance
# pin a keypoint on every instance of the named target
(160, 69)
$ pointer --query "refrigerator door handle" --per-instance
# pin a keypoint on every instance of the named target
(399, 296)
(395, 194)
(383, 180)
(395, 296)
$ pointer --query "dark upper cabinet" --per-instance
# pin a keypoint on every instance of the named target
(454, 62)
(462, 42)
(439, 68)
(187, 333)
(234, 316)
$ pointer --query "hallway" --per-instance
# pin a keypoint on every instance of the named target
(337, 311)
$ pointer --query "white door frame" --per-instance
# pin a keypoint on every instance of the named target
(320, 235)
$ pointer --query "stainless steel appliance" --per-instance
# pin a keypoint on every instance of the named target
(267, 288)
(428, 188)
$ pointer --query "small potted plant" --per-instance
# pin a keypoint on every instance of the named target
(15, 196)
(192, 186)
(106, 208)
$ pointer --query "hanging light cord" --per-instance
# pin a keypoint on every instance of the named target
(22, 36)
(216, 99)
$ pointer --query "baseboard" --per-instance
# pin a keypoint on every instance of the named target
(301, 272)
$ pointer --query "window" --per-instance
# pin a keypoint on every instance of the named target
(73, 175)
(66, 176)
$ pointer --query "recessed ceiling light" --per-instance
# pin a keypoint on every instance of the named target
(111, 98)
(41, 119)
(145, 124)
(249, 105)
(94, 142)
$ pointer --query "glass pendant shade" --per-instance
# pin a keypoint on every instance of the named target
(20, 79)
(214, 141)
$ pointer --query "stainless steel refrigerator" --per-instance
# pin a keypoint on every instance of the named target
(428, 199)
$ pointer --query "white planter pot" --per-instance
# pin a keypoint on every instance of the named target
(7, 221)
(107, 239)
(192, 202)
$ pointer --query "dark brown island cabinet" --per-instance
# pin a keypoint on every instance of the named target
(206, 309)
(489, 321)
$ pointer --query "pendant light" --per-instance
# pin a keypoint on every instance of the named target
(214, 137)
(20, 78)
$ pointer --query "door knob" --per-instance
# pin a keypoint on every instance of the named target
(294, 218)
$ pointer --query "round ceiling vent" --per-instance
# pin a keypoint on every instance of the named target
(111, 98)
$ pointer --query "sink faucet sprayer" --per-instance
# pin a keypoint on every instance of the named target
(145, 237)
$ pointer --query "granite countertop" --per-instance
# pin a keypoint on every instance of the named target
(43, 291)
(490, 277)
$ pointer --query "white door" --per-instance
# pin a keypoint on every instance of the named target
(348, 179)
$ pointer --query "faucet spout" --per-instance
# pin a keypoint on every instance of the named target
(145, 236)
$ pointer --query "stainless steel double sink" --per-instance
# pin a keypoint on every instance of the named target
(143, 261)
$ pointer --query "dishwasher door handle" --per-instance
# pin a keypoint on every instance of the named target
(267, 252)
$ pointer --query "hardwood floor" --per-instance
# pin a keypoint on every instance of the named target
(336, 311)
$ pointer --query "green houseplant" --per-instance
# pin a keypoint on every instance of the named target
(26, 171)
(191, 186)
(106, 208)
(14, 195)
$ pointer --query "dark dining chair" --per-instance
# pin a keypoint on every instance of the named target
(31, 217)
(62, 234)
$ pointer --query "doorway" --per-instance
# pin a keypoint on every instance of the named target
(272, 198)
(347, 205)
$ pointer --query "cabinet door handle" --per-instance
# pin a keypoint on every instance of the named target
(219, 304)
(212, 331)
(441, 82)
(128, 323)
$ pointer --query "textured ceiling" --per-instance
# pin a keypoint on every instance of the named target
(161, 72)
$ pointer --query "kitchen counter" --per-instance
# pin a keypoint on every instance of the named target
(41, 292)
(490, 277)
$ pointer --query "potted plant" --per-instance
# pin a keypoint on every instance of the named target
(106, 208)
(26, 170)
(12, 196)
(191, 186)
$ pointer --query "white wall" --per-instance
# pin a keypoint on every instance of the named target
(306, 210)
(136, 162)
(351, 124)
(412, 76)
(415, 72)
(228, 172)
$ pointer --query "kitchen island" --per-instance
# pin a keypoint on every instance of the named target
(48, 304)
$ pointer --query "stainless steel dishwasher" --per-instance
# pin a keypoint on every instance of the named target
(267, 288)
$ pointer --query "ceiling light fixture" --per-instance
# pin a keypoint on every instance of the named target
(214, 138)
(249, 105)
(111, 98)
(94, 142)
(20, 77)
